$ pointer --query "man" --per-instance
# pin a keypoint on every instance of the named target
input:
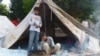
(47, 44)
(34, 30)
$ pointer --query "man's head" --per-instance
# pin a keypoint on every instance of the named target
(36, 11)
(43, 36)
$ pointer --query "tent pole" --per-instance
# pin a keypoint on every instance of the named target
(44, 17)
(51, 15)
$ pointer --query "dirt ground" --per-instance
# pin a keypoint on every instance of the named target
(95, 55)
(69, 54)
(39, 55)
(84, 55)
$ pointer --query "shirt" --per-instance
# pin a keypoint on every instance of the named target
(35, 19)
(49, 41)
(15, 22)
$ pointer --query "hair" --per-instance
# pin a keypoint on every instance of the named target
(37, 8)
(42, 34)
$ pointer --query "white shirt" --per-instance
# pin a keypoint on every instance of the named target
(49, 41)
(35, 19)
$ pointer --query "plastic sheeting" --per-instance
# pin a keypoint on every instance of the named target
(5, 26)
(12, 52)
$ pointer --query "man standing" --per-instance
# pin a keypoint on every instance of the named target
(35, 25)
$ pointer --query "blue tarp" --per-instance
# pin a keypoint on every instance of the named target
(12, 52)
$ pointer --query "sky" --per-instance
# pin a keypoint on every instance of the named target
(6, 2)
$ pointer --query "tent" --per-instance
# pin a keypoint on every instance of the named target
(5, 25)
(69, 25)
(97, 28)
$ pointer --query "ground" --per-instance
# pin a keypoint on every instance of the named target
(39, 55)
(66, 53)
(70, 54)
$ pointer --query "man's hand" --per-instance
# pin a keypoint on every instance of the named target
(37, 26)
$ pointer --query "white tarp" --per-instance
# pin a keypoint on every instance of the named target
(5, 26)
(93, 45)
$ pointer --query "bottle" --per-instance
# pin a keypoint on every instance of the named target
(19, 49)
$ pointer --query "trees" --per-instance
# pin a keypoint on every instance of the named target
(4, 10)
(79, 9)
(20, 8)
(17, 9)
(27, 5)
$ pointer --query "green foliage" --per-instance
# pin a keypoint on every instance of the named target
(79, 9)
(4, 10)
(27, 5)
(17, 9)
(21, 8)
